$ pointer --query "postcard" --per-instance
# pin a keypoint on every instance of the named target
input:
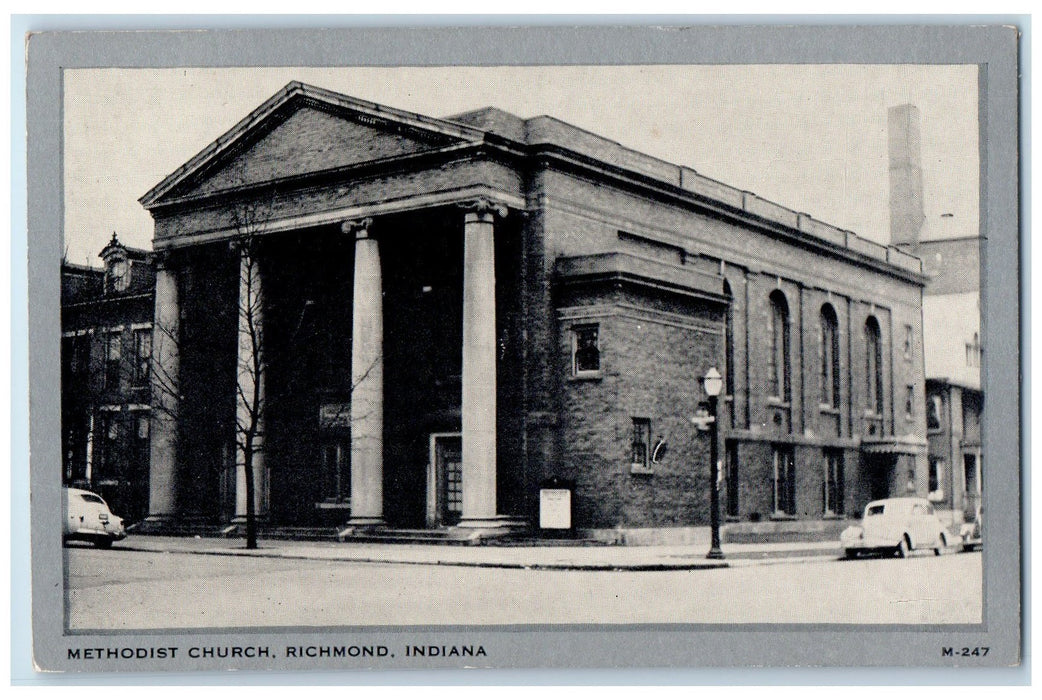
(489, 347)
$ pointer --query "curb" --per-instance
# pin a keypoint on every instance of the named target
(735, 561)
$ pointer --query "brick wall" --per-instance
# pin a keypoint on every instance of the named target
(311, 140)
(651, 365)
(579, 217)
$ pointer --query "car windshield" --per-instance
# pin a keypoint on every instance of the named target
(91, 498)
(875, 510)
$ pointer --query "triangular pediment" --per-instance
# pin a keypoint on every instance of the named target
(304, 130)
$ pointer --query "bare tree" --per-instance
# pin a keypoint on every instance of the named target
(250, 380)
(250, 220)
(250, 384)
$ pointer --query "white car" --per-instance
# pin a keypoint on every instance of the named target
(897, 526)
(88, 519)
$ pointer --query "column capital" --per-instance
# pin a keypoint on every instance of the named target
(243, 243)
(163, 260)
(483, 209)
(359, 228)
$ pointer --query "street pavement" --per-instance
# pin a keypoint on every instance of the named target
(207, 584)
(546, 555)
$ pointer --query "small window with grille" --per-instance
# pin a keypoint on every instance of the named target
(640, 446)
(586, 350)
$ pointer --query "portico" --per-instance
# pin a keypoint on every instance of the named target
(360, 404)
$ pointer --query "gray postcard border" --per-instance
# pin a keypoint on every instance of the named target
(995, 48)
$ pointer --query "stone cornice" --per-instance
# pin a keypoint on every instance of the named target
(633, 270)
(337, 216)
(747, 210)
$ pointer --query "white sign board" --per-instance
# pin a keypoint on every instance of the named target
(555, 509)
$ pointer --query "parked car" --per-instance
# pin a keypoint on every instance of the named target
(88, 519)
(971, 533)
(897, 526)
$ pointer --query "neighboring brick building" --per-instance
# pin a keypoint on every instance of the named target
(955, 403)
(106, 316)
(457, 309)
(950, 251)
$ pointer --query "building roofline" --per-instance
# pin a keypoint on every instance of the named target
(644, 167)
(950, 239)
(80, 267)
(292, 91)
(952, 382)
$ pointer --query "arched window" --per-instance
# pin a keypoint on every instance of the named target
(778, 364)
(873, 367)
(829, 357)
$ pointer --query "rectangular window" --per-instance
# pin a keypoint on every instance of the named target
(110, 434)
(933, 412)
(833, 483)
(142, 356)
(142, 426)
(586, 350)
(909, 400)
(973, 352)
(969, 468)
(935, 485)
(784, 481)
(909, 345)
(336, 462)
(640, 457)
(113, 354)
(76, 353)
(81, 353)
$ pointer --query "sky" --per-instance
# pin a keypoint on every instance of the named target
(812, 138)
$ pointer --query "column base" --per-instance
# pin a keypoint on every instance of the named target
(367, 521)
(360, 527)
(258, 518)
(161, 518)
(495, 522)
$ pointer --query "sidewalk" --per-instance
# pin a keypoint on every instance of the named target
(546, 557)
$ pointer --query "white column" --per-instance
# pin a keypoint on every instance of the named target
(165, 381)
(250, 385)
(367, 383)
(479, 366)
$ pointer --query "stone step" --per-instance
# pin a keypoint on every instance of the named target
(407, 536)
(311, 534)
(177, 529)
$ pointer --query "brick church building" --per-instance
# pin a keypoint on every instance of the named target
(424, 319)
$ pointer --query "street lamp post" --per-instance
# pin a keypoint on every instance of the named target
(713, 383)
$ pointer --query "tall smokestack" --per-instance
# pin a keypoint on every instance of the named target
(906, 176)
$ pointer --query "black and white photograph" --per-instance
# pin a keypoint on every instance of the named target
(449, 366)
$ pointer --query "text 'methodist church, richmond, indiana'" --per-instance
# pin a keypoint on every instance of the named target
(447, 312)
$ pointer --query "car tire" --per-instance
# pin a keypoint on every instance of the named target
(939, 550)
(103, 543)
(902, 550)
